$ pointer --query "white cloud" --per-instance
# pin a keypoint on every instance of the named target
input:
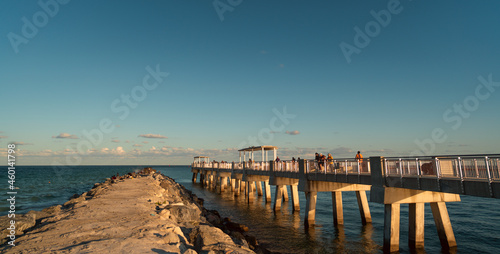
(65, 135)
(292, 132)
(151, 136)
(118, 151)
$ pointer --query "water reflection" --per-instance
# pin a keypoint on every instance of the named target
(339, 242)
(367, 243)
(284, 230)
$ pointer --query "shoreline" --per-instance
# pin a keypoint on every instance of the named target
(157, 212)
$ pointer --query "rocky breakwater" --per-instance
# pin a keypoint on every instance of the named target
(144, 212)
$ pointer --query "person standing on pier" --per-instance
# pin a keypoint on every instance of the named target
(330, 162)
(359, 157)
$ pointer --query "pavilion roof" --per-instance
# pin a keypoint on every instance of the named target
(258, 148)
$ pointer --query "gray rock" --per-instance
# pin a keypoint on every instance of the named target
(209, 239)
(184, 213)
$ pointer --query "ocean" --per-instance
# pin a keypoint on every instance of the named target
(475, 221)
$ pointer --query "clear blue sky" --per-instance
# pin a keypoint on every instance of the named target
(408, 84)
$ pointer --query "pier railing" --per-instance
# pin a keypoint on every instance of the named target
(475, 167)
(286, 166)
(477, 175)
(339, 166)
(257, 165)
(463, 167)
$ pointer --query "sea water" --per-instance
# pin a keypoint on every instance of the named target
(475, 221)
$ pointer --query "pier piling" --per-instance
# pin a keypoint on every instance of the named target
(278, 196)
(338, 211)
(391, 227)
(443, 224)
(416, 225)
(311, 198)
(364, 209)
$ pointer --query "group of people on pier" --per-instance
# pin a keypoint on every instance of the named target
(327, 161)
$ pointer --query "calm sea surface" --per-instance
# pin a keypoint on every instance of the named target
(476, 221)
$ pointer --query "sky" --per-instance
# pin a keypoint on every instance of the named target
(159, 82)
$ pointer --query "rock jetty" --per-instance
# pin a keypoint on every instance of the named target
(144, 212)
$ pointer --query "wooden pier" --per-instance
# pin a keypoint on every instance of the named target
(391, 181)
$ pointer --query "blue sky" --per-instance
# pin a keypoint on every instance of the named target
(422, 79)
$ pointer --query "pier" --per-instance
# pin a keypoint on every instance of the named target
(392, 181)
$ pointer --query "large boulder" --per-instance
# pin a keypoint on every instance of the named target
(207, 239)
(183, 214)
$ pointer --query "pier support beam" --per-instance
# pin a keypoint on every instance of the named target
(391, 227)
(311, 198)
(259, 188)
(338, 211)
(237, 188)
(295, 197)
(443, 224)
(233, 184)
(243, 188)
(278, 196)
(364, 209)
(250, 191)
(285, 193)
(223, 184)
(268, 191)
(416, 220)
(213, 182)
(195, 175)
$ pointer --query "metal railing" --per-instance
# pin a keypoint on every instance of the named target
(478, 167)
(339, 166)
(286, 166)
(238, 165)
(257, 165)
(202, 165)
(463, 167)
